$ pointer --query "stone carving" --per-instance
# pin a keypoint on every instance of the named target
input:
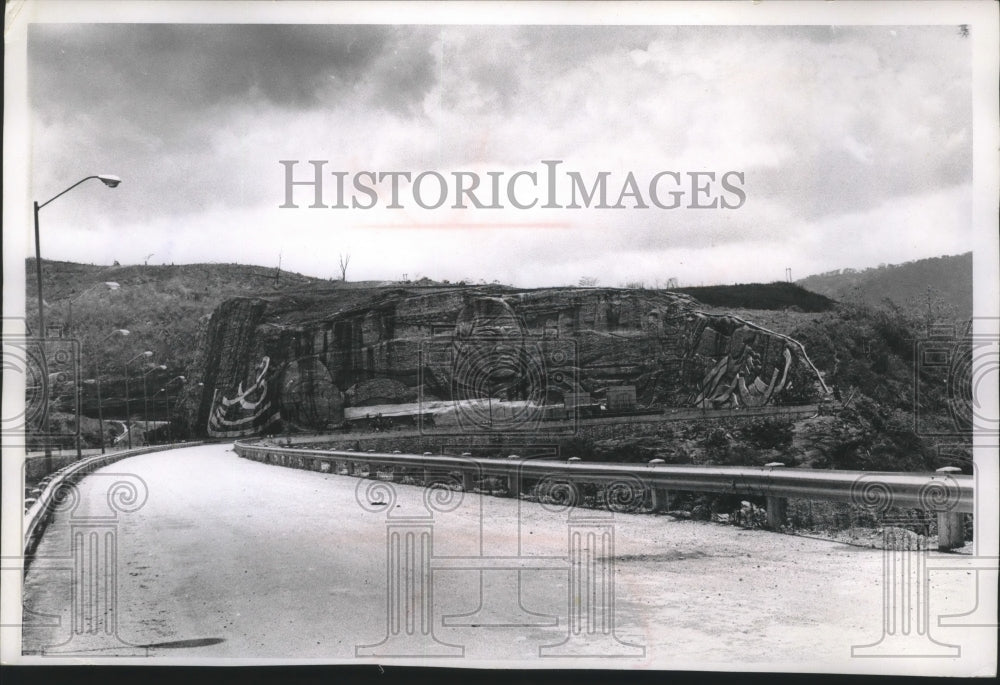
(531, 349)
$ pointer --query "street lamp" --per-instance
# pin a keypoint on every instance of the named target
(163, 389)
(109, 285)
(145, 405)
(124, 332)
(108, 180)
(128, 418)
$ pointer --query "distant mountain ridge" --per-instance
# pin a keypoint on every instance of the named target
(938, 287)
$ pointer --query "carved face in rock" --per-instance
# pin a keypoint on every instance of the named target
(491, 338)
(494, 358)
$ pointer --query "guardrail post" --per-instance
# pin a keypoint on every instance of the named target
(514, 479)
(661, 500)
(951, 532)
(776, 506)
(660, 497)
(513, 485)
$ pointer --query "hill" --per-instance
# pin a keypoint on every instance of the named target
(766, 296)
(164, 308)
(936, 288)
(865, 353)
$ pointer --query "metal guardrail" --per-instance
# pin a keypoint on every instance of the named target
(947, 493)
(37, 515)
(943, 493)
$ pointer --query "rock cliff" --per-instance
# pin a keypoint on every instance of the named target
(300, 359)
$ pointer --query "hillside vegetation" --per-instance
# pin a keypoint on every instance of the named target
(888, 411)
(939, 288)
(165, 309)
(777, 295)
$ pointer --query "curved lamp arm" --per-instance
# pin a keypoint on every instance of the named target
(107, 179)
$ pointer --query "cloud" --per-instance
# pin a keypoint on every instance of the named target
(828, 124)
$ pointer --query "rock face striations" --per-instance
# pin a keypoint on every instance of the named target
(301, 360)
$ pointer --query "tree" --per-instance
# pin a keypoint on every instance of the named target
(588, 281)
(932, 308)
(345, 259)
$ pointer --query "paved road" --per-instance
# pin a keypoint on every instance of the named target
(232, 558)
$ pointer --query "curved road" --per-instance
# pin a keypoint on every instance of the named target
(228, 557)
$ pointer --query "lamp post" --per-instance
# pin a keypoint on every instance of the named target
(128, 418)
(69, 296)
(108, 180)
(110, 285)
(100, 411)
(111, 182)
(157, 394)
(163, 389)
(124, 332)
(145, 405)
(200, 385)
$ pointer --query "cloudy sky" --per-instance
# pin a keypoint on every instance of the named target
(855, 144)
